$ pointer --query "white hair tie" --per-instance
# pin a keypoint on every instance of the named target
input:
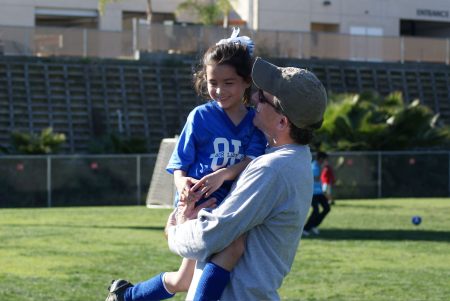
(235, 38)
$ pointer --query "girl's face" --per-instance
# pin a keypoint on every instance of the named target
(225, 85)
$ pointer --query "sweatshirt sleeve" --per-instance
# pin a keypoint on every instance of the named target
(247, 206)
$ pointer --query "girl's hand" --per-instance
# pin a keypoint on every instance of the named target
(210, 183)
(183, 185)
(189, 195)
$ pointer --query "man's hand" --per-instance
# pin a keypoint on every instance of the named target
(187, 210)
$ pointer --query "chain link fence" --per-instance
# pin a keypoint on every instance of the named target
(391, 174)
(47, 181)
(84, 180)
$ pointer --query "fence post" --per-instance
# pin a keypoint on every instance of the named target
(27, 43)
(380, 183)
(277, 51)
(49, 181)
(135, 36)
(138, 179)
(447, 56)
(402, 50)
(85, 41)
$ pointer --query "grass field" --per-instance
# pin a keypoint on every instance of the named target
(367, 250)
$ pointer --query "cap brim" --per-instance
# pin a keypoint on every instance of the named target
(264, 75)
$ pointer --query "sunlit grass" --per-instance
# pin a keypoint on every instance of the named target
(367, 250)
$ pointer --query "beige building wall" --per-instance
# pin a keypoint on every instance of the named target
(22, 12)
(346, 16)
(297, 15)
(16, 13)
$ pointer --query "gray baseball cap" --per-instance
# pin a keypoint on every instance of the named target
(298, 92)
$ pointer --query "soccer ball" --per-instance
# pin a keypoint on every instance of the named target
(416, 220)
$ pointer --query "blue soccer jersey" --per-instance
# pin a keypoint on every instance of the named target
(210, 140)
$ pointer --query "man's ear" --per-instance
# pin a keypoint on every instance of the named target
(283, 123)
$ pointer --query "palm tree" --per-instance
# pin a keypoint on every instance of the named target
(102, 4)
(208, 13)
(225, 7)
(370, 122)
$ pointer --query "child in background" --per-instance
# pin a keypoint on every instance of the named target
(319, 198)
(215, 145)
(328, 180)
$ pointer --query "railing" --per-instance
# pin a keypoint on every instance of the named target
(46, 181)
(42, 41)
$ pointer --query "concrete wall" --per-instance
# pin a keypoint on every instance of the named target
(283, 15)
(297, 15)
(22, 12)
(16, 13)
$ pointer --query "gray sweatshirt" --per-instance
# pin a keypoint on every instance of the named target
(270, 200)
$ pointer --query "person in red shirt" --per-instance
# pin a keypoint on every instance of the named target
(328, 180)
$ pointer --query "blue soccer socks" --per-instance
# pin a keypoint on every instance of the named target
(213, 281)
(152, 289)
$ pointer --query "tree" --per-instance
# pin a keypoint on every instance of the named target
(46, 142)
(225, 7)
(102, 4)
(370, 122)
(208, 13)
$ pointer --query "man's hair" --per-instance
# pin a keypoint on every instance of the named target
(301, 136)
(231, 54)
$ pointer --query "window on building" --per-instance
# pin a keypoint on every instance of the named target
(424, 28)
(324, 27)
(51, 17)
(366, 31)
(364, 45)
(163, 17)
(128, 17)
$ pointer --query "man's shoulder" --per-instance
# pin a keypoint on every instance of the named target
(284, 157)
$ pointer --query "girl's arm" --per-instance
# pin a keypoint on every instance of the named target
(180, 180)
(210, 183)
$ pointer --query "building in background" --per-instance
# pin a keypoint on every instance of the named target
(356, 17)
(360, 17)
(83, 14)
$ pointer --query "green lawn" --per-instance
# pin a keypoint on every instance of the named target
(367, 250)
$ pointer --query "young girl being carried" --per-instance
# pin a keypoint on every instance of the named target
(216, 144)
